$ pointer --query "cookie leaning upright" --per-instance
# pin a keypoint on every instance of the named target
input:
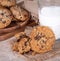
(5, 17)
(22, 46)
(20, 13)
(7, 3)
(23, 43)
(43, 39)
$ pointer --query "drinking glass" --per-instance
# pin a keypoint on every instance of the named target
(49, 15)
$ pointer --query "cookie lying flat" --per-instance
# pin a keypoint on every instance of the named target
(23, 44)
(43, 39)
(19, 13)
(7, 3)
(5, 17)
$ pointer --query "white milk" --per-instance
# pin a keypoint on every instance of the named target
(50, 16)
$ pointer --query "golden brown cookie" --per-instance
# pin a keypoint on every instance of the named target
(43, 39)
(23, 43)
(20, 13)
(19, 35)
(7, 3)
(5, 17)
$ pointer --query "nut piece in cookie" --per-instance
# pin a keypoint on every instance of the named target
(43, 39)
(5, 17)
(20, 13)
(7, 3)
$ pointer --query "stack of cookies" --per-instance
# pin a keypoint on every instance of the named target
(10, 11)
(13, 18)
(40, 40)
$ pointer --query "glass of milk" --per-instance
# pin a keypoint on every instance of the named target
(49, 15)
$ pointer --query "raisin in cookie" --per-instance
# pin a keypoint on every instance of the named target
(43, 39)
(20, 13)
(5, 17)
(22, 45)
(7, 3)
